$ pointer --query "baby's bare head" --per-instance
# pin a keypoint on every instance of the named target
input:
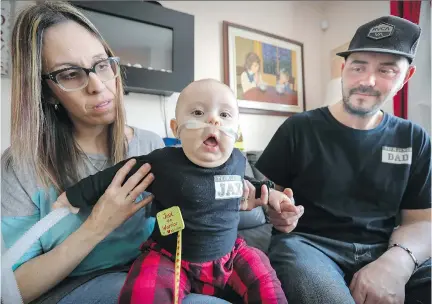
(208, 93)
(207, 119)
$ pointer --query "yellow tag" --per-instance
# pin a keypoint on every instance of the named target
(170, 220)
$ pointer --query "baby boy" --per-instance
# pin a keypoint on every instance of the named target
(205, 179)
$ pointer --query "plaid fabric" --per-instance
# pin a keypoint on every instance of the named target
(246, 270)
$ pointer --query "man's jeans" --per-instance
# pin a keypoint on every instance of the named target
(315, 269)
(105, 289)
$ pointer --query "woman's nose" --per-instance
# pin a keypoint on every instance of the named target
(95, 85)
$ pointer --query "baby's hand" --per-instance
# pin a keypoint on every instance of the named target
(62, 202)
(248, 200)
(276, 198)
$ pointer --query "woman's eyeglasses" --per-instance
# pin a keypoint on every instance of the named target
(76, 78)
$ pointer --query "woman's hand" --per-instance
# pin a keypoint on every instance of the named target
(114, 207)
(118, 202)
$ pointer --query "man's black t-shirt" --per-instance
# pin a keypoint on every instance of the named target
(352, 183)
(208, 198)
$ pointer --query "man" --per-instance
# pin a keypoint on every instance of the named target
(364, 179)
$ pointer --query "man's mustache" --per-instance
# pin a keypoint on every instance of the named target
(364, 90)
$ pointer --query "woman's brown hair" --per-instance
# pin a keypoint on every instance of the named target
(42, 138)
(250, 59)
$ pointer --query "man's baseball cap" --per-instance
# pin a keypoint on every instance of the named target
(388, 34)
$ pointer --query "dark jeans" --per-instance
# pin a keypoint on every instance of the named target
(314, 269)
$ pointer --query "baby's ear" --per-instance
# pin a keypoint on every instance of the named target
(174, 127)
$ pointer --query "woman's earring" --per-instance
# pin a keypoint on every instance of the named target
(56, 106)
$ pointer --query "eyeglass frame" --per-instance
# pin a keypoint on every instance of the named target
(52, 75)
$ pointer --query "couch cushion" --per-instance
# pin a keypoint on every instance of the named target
(255, 217)
(251, 219)
(258, 237)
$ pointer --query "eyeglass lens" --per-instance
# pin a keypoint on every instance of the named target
(76, 77)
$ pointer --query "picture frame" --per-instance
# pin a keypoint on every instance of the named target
(7, 16)
(265, 71)
(337, 61)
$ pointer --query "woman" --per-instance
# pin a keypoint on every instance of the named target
(251, 76)
(68, 121)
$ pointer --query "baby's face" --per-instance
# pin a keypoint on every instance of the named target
(212, 103)
(283, 78)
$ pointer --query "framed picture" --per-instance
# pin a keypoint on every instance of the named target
(7, 9)
(265, 71)
(337, 61)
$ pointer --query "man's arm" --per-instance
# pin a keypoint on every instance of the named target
(88, 191)
(384, 280)
(414, 233)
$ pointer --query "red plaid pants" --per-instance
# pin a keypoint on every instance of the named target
(245, 269)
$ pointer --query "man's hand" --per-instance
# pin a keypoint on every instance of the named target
(274, 199)
(286, 220)
(277, 198)
(379, 282)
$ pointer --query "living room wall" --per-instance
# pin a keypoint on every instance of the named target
(298, 20)
(292, 19)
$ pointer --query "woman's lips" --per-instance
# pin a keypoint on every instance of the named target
(102, 105)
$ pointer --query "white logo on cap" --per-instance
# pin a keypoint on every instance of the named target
(380, 31)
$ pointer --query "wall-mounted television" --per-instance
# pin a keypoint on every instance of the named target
(155, 44)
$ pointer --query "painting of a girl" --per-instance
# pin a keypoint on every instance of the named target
(251, 77)
(264, 71)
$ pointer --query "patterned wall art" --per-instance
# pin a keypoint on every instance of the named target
(7, 9)
(264, 70)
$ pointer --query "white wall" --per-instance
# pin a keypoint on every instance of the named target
(298, 20)
(5, 113)
(295, 20)
(287, 19)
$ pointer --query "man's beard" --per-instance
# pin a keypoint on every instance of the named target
(359, 111)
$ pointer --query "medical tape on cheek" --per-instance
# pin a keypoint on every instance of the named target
(196, 124)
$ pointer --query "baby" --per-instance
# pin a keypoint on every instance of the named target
(205, 179)
(282, 82)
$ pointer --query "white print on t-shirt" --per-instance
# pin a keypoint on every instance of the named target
(228, 186)
(396, 156)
